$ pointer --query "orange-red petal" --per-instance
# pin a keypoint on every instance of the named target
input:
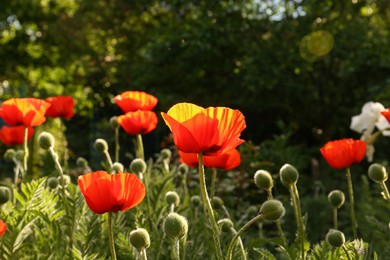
(24, 111)
(226, 161)
(3, 227)
(60, 106)
(341, 154)
(14, 135)
(138, 122)
(135, 100)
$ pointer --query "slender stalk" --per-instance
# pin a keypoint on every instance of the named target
(117, 146)
(172, 208)
(238, 234)
(143, 254)
(176, 248)
(25, 146)
(385, 191)
(297, 211)
(213, 178)
(207, 205)
(17, 170)
(108, 158)
(278, 224)
(352, 203)
(140, 147)
(346, 252)
(226, 212)
(240, 243)
(335, 223)
(111, 236)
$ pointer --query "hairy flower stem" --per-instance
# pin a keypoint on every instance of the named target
(143, 254)
(207, 205)
(58, 167)
(335, 223)
(25, 157)
(140, 147)
(385, 191)
(213, 178)
(278, 224)
(352, 203)
(176, 249)
(298, 216)
(108, 159)
(238, 234)
(240, 243)
(111, 236)
(346, 252)
(117, 146)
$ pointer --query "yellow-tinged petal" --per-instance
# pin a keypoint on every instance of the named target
(184, 111)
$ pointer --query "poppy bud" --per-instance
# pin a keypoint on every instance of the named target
(377, 173)
(225, 224)
(5, 194)
(175, 226)
(81, 162)
(217, 202)
(46, 140)
(117, 167)
(195, 200)
(336, 198)
(140, 239)
(9, 155)
(172, 198)
(252, 210)
(52, 182)
(19, 155)
(183, 169)
(138, 166)
(166, 154)
(335, 238)
(263, 180)
(114, 122)
(66, 179)
(101, 145)
(288, 175)
(272, 210)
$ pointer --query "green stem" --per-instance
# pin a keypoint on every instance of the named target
(176, 248)
(240, 243)
(335, 223)
(385, 191)
(111, 236)
(298, 215)
(143, 254)
(238, 234)
(25, 158)
(207, 205)
(140, 147)
(108, 158)
(117, 146)
(213, 178)
(346, 252)
(278, 224)
(352, 203)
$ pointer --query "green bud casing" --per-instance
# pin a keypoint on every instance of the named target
(288, 175)
(272, 210)
(101, 145)
(172, 198)
(140, 239)
(175, 226)
(46, 140)
(138, 165)
(377, 173)
(263, 180)
(335, 238)
(336, 198)
(5, 194)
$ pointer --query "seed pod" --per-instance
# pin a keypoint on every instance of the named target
(52, 182)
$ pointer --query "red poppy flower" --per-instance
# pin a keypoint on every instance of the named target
(14, 135)
(105, 192)
(24, 111)
(61, 106)
(226, 161)
(386, 114)
(135, 100)
(211, 131)
(343, 153)
(3, 227)
(138, 122)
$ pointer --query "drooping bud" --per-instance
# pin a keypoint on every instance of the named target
(225, 224)
(175, 226)
(377, 173)
(138, 166)
(114, 122)
(52, 182)
(172, 198)
(336, 198)
(335, 238)
(166, 154)
(288, 175)
(195, 200)
(117, 167)
(272, 210)
(101, 145)
(81, 162)
(183, 169)
(140, 239)
(46, 140)
(263, 180)
(5, 194)
(217, 202)
(9, 154)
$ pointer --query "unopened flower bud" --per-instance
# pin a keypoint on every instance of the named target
(66, 179)
(114, 122)
(217, 202)
(5, 194)
(252, 210)
(195, 200)
(101, 145)
(117, 167)
(336, 198)
(9, 155)
(263, 180)
(138, 165)
(183, 169)
(172, 198)
(46, 140)
(377, 173)
(52, 182)
(272, 210)
(166, 154)
(19, 155)
(140, 239)
(81, 162)
(288, 175)
(335, 238)
(175, 226)
(225, 224)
